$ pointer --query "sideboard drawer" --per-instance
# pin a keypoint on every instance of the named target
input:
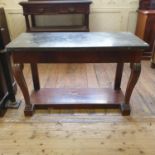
(76, 8)
(32, 8)
(55, 9)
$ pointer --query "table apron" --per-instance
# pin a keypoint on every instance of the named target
(76, 57)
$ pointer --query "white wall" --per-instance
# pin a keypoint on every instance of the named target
(106, 15)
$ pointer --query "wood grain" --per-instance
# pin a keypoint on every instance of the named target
(78, 138)
(89, 132)
(141, 23)
(76, 76)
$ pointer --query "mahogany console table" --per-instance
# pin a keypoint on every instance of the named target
(81, 47)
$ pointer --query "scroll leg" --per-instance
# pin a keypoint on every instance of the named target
(29, 108)
(35, 76)
(134, 76)
(118, 76)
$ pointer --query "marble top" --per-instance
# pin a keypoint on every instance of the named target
(59, 40)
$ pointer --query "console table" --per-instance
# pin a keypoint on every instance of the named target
(81, 47)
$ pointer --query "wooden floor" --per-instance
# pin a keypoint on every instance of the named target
(83, 132)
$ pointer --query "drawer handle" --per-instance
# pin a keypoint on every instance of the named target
(71, 10)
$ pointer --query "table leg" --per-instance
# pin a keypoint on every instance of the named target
(35, 76)
(29, 109)
(6, 63)
(134, 76)
(118, 76)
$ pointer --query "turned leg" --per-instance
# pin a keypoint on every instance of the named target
(6, 63)
(35, 76)
(118, 76)
(7, 74)
(29, 108)
(134, 76)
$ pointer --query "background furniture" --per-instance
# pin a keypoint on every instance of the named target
(145, 29)
(34, 8)
(7, 83)
(81, 47)
(146, 4)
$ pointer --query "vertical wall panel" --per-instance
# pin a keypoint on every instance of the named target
(106, 15)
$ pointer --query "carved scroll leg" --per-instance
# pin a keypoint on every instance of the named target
(118, 76)
(29, 108)
(35, 76)
(134, 76)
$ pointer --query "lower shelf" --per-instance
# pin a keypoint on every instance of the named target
(77, 98)
(79, 28)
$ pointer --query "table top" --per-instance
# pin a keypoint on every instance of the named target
(75, 40)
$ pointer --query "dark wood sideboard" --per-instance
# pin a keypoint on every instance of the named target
(146, 4)
(145, 29)
(62, 7)
(7, 83)
(146, 24)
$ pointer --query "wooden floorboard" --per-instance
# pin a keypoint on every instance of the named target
(83, 132)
